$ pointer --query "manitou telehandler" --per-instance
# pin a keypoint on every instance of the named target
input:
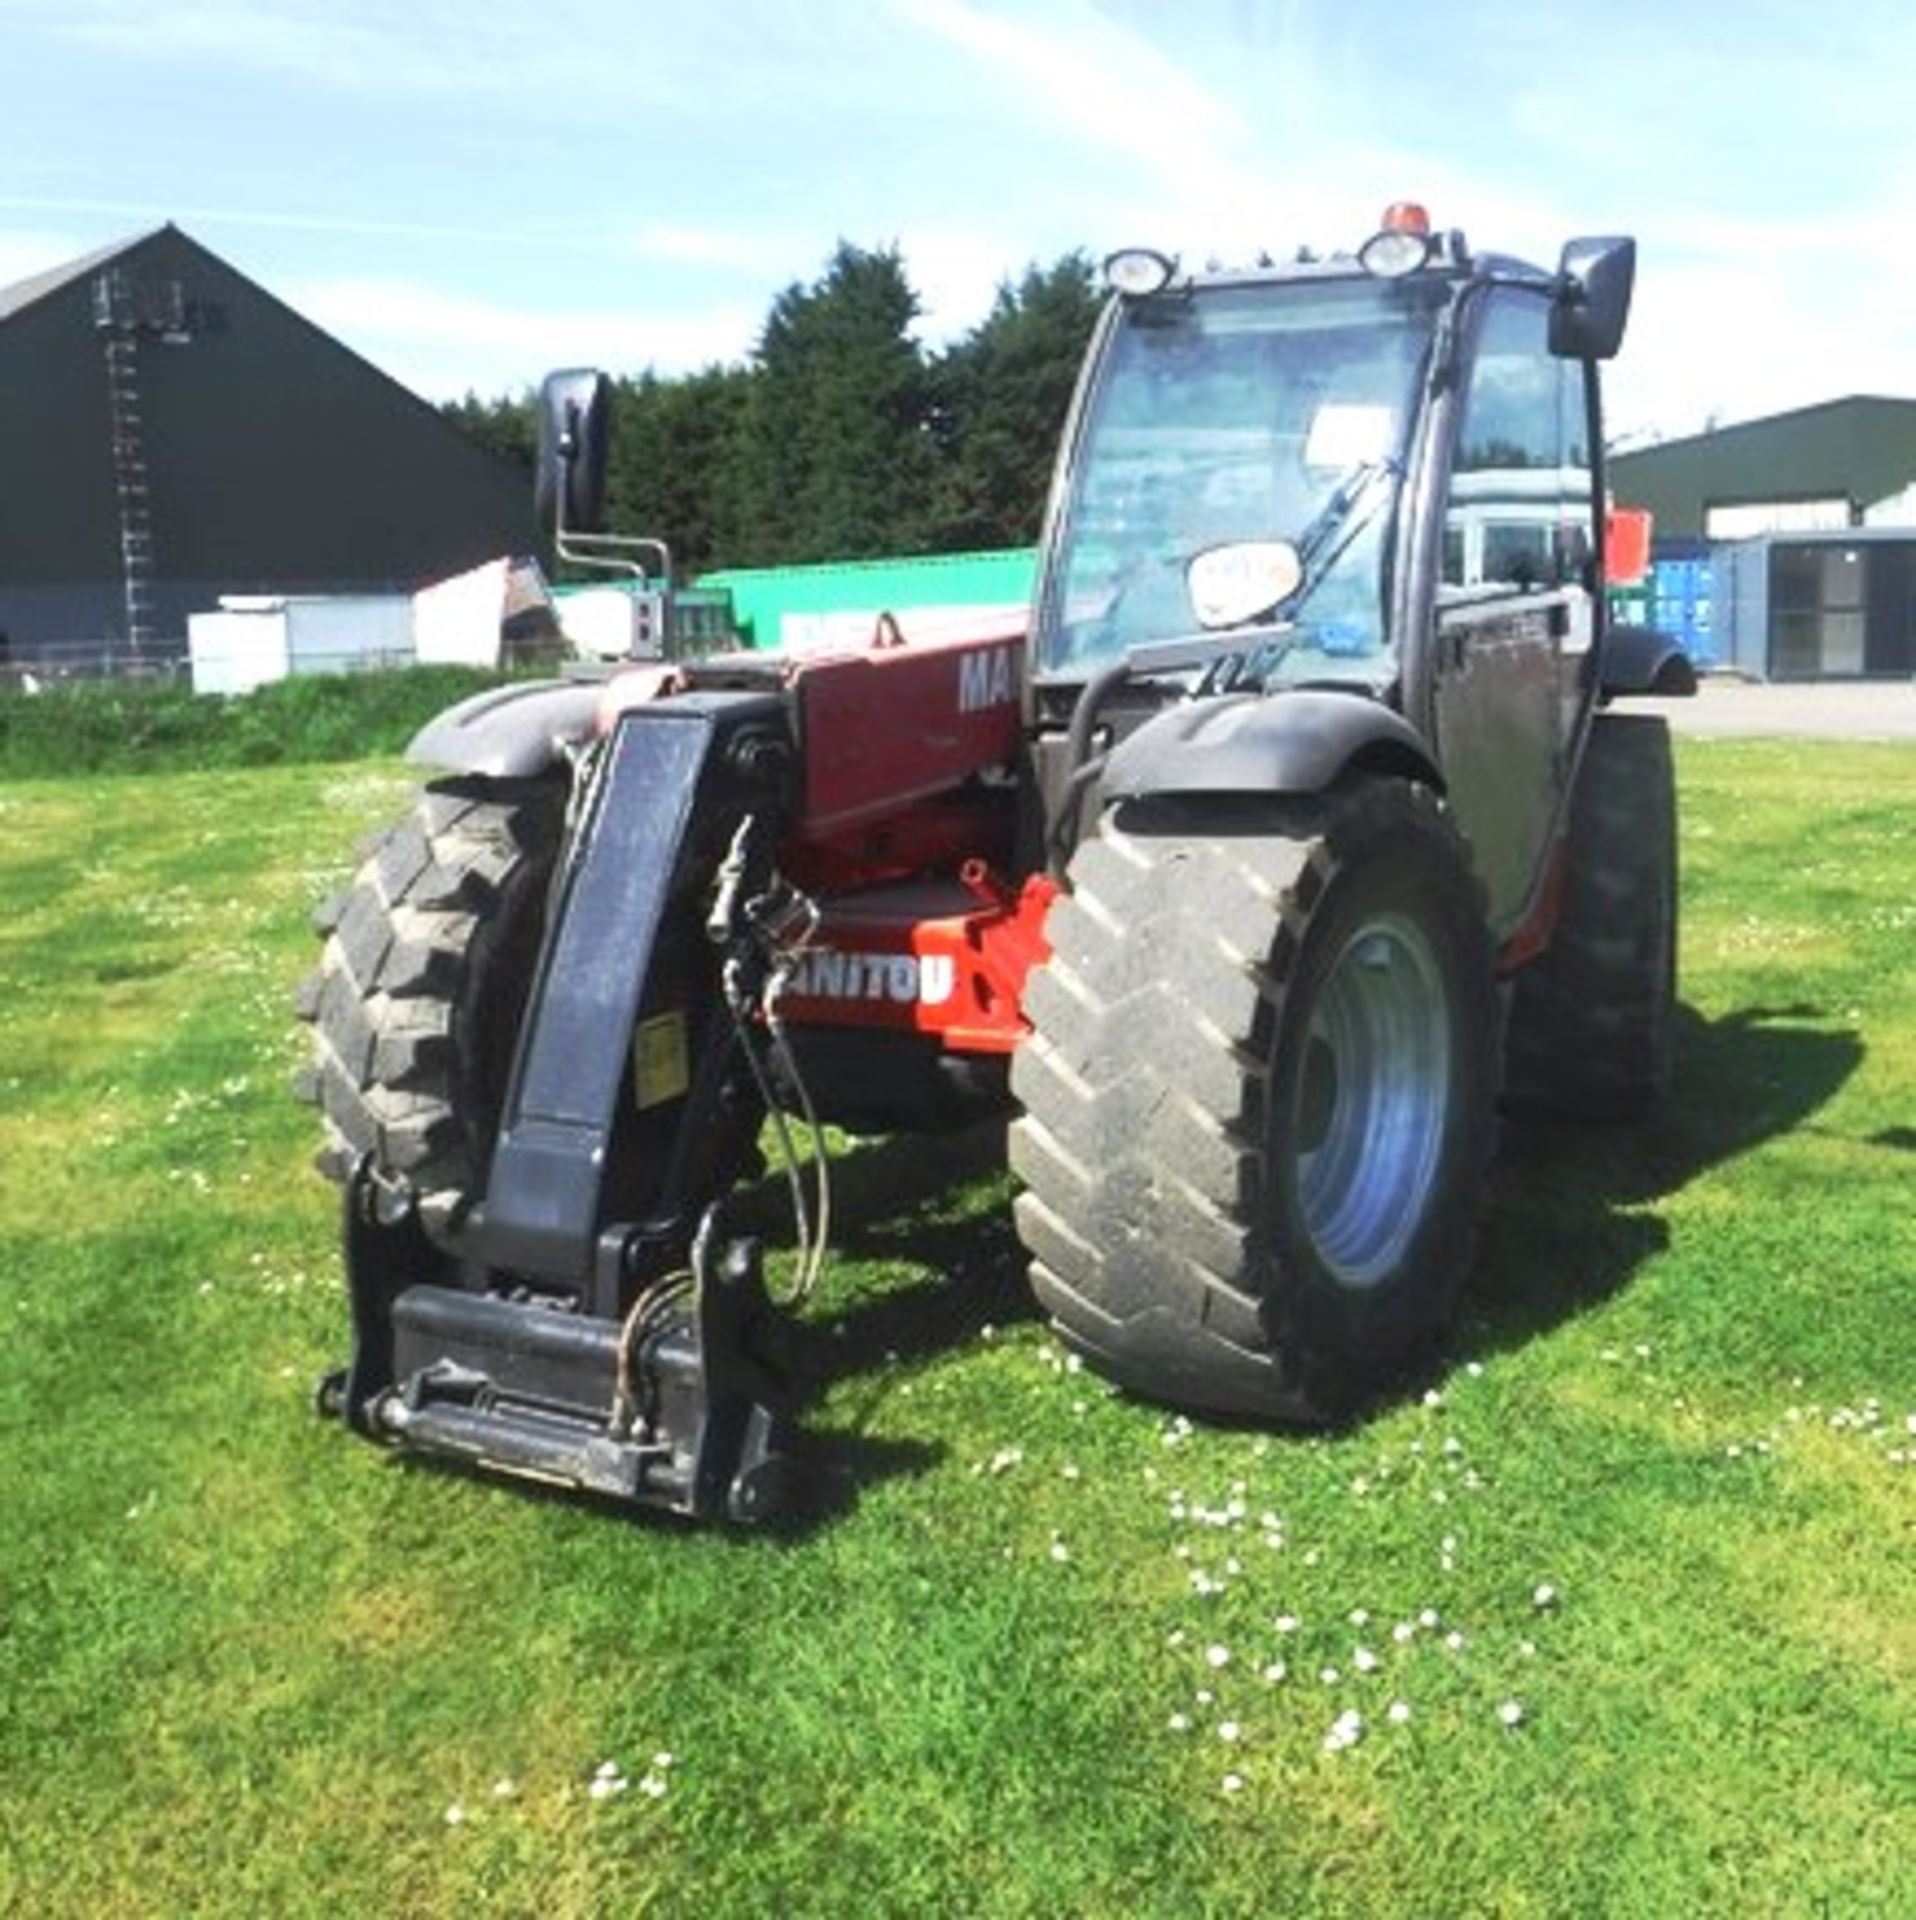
(1287, 837)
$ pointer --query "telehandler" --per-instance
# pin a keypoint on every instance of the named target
(1292, 833)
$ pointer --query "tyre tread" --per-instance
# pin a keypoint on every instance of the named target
(406, 948)
(1142, 1092)
(1591, 1019)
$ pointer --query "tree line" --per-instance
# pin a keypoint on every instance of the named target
(842, 437)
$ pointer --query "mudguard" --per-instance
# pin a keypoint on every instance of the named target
(1642, 660)
(508, 733)
(1265, 743)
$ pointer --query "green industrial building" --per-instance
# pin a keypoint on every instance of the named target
(841, 600)
(1786, 547)
(1849, 462)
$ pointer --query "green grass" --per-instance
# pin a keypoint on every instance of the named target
(131, 726)
(248, 1665)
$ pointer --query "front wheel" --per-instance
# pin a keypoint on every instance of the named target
(1258, 1098)
(421, 988)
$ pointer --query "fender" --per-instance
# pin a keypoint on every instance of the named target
(1642, 660)
(1265, 743)
(508, 733)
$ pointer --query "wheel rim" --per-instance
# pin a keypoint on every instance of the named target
(1371, 1101)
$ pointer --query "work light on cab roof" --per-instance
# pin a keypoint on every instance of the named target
(1401, 244)
(1138, 271)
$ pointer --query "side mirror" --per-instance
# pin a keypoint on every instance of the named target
(1594, 282)
(575, 411)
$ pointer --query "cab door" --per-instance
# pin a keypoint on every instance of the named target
(1515, 613)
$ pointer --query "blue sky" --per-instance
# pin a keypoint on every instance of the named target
(468, 194)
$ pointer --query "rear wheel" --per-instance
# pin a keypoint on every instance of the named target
(421, 988)
(1590, 1034)
(1257, 1101)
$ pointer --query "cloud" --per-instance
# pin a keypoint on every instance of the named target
(452, 169)
(707, 246)
(142, 214)
(314, 43)
(956, 272)
(1748, 313)
(1760, 323)
(444, 346)
(24, 254)
(361, 47)
(1110, 85)
(1211, 132)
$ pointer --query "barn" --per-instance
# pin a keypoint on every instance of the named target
(1786, 547)
(170, 433)
(1842, 463)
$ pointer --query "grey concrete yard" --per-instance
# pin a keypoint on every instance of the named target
(1833, 709)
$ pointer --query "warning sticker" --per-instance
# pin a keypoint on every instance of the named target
(661, 1065)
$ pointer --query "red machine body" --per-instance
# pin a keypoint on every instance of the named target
(906, 838)
(931, 958)
(906, 833)
(902, 720)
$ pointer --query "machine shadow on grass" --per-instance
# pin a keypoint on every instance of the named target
(906, 1201)
(1565, 1225)
(1565, 1228)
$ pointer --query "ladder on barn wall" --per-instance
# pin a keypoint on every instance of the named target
(128, 443)
(125, 314)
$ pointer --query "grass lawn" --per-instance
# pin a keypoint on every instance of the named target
(1622, 1603)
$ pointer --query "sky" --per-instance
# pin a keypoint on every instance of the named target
(468, 194)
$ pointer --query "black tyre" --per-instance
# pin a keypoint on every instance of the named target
(1591, 1020)
(1258, 1099)
(421, 988)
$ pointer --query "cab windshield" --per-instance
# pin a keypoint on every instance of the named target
(1239, 471)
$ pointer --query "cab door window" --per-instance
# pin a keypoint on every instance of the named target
(1518, 519)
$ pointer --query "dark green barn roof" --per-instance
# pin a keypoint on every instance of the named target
(1861, 449)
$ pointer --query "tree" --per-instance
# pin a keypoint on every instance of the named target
(1003, 392)
(840, 440)
(505, 425)
(675, 463)
(839, 462)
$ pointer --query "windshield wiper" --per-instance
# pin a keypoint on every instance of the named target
(1338, 522)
